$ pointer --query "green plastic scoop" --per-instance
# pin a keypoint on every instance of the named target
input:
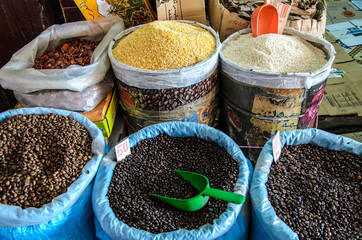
(201, 183)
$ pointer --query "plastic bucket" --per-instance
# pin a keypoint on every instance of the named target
(188, 94)
(232, 224)
(258, 104)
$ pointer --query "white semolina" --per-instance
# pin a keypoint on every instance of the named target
(274, 53)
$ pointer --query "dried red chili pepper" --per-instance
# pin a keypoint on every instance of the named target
(65, 47)
(76, 52)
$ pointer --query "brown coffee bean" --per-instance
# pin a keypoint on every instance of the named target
(316, 192)
(170, 98)
(34, 167)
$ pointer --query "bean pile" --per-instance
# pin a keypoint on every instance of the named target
(148, 170)
(77, 52)
(169, 98)
(317, 192)
(40, 157)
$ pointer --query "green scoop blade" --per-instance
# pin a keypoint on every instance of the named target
(201, 183)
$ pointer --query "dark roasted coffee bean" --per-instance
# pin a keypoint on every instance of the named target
(41, 159)
(316, 191)
(148, 170)
(170, 98)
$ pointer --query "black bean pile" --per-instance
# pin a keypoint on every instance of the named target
(170, 98)
(317, 192)
(148, 170)
(40, 157)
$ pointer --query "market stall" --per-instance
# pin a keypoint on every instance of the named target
(128, 115)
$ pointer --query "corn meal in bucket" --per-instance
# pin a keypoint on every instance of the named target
(162, 45)
(274, 53)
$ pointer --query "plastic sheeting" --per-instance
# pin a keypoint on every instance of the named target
(279, 80)
(74, 223)
(83, 101)
(159, 79)
(265, 223)
(230, 225)
(68, 215)
(19, 75)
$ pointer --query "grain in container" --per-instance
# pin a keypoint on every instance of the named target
(265, 90)
(167, 71)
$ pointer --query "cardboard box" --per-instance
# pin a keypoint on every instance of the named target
(343, 95)
(226, 22)
(133, 12)
(104, 114)
(342, 99)
(355, 135)
(192, 10)
(337, 12)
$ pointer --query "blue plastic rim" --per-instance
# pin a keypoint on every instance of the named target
(14, 216)
(266, 224)
(229, 221)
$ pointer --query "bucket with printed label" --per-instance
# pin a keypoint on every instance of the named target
(149, 96)
(257, 104)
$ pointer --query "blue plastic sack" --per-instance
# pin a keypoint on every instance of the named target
(69, 215)
(230, 225)
(265, 223)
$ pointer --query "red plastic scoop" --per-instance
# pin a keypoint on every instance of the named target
(264, 19)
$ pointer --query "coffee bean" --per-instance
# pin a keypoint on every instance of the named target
(316, 192)
(35, 165)
(148, 170)
(170, 98)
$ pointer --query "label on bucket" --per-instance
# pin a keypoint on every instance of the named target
(123, 149)
(276, 146)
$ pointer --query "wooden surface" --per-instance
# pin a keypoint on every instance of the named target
(21, 21)
(70, 10)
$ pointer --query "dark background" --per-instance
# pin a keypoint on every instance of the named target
(23, 20)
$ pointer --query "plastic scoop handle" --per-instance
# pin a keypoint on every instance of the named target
(224, 195)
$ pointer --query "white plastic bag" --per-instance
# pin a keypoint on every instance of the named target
(19, 75)
(83, 101)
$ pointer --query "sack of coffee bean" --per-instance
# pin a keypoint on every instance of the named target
(167, 71)
(83, 101)
(20, 75)
(310, 190)
(48, 162)
(122, 203)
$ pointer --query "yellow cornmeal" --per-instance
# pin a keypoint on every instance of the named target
(162, 45)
